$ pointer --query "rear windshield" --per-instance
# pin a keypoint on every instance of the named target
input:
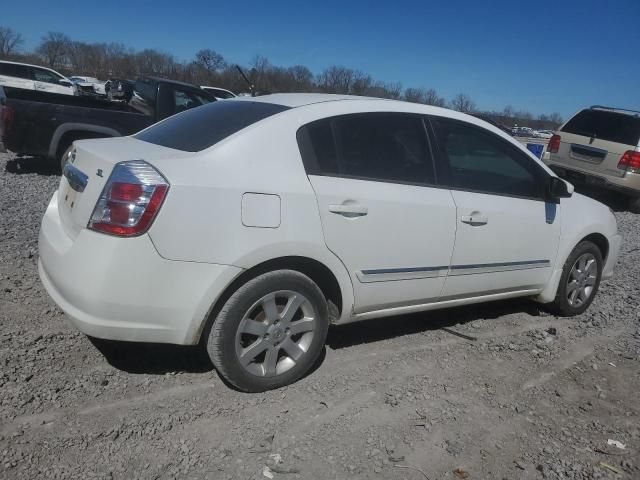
(202, 127)
(605, 125)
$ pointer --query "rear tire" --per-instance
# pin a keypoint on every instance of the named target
(270, 332)
(579, 282)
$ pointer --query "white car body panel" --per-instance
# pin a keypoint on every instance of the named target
(32, 83)
(212, 227)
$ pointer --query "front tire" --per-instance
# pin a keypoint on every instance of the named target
(580, 280)
(270, 332)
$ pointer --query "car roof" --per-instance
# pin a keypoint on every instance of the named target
(166, 80)
(28, 65)
(625, 111)
(294, 100)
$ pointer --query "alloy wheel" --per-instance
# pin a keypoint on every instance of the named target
(275, 333)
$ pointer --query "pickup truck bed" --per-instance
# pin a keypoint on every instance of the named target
(46, 124)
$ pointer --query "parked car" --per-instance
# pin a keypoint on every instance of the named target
(34, 77)
(219, 93)
(119, 89)
(522, 132)
(252, 224)
(546, 134)
(600, 146)
(89, 85)
(47, 124)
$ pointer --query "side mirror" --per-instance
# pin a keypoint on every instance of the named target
(558, 188)
(64, 82)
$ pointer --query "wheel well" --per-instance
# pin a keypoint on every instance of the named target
(69, 137)
(315, 270)
(600, 241)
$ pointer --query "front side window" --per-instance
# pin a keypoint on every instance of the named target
(480, 161)
(184, 100)
(373, 146)
(45, 76)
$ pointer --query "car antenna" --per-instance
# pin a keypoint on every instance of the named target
(252, 87)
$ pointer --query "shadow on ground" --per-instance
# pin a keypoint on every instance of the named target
(614, 200)
(370, 331)
(159, 359)
(37, 165)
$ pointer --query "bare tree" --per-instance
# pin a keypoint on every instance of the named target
(336, 79)
(210, 59)
(508, 111)
(432, 98)
(556, 119)
(54, 47)
(10, 41)
(463, 103)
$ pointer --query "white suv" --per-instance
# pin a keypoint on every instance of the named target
(251, 225)
(33, 77)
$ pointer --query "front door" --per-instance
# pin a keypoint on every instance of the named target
(507, 235)
(381, 214)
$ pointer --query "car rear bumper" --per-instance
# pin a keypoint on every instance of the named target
(628, 185)
(121, 289)
(615, 243)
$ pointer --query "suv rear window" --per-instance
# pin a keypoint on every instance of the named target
(202, 127)
(605, 125)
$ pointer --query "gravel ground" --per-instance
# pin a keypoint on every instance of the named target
(534, 396)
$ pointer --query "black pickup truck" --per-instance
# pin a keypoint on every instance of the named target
(46, 124)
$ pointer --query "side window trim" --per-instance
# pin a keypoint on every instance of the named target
(446, 171)
(312, 165)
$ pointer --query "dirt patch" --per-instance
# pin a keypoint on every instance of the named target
(534, 396)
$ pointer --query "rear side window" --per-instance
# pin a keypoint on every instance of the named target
(605, 125)
(389, 147)
(13, 70)
(202, 127)
(480, 161)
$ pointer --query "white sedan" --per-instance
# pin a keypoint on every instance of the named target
(253, 224)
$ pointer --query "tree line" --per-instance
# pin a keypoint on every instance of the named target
(208, 67)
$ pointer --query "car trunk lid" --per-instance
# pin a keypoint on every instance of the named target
(88, 171)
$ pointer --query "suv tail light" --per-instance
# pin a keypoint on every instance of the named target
(554, 144)
(630, 161)
(130, 200)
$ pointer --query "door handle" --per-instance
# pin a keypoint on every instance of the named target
(349, 210)
(474, 220)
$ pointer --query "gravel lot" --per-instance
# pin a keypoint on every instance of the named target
(534, 396)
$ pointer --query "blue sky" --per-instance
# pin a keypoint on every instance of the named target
(539, 56)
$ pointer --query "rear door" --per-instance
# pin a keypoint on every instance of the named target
(381, 211)
(594, 140)
(507, 235)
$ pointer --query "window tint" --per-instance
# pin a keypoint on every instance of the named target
(612, 126)
(376, 146)
(185, 100)
(45, 76)
(200, 128)
(480, 161)
(13, 70)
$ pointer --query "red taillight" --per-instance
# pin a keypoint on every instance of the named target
(554, 144)
(130, 200)
(630, 161)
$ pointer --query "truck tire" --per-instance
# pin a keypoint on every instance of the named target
(634, 205)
